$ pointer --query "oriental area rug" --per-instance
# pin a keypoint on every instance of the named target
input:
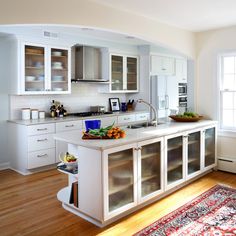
(213, 213)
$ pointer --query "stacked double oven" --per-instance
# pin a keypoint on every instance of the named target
(183, 103)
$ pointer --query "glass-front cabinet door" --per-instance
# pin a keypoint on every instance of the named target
(174, 161)
(59, 69)
(194, 153)
(121, 176)
(150, 169)
(132, 76)
(210, 147)
(34, 68)
(117, 72)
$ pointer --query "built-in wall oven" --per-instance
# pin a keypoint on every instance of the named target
(183, 101)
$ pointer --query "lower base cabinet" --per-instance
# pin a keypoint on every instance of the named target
(116, 181)
(132, 174)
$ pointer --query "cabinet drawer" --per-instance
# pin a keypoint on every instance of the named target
(41, 158)
(126, 119)
(41, 129)
(69, 125)
(142, 117)
(40, 142)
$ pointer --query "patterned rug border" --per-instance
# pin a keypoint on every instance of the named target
(187, 204)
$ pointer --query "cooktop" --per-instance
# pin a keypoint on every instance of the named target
(89, 113)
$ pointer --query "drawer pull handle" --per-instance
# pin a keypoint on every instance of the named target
(43, 155)
(68, 126)
(126, 118)
(42, 140)
(42, 129)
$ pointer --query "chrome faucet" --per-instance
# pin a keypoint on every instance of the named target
(154, 120)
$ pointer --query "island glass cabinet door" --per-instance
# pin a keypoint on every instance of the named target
(174, 160)
(120, 178)
(193, 153)
(150, 169)
(209, 147)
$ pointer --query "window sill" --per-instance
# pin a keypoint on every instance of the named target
(227, 133)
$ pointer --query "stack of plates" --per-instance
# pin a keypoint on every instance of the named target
(30, 78)
(57, 53)
(57, 65)
(57, 78)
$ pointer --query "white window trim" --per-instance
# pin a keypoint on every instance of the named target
(223, 131)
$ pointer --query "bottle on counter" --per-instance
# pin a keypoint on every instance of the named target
(53, 109)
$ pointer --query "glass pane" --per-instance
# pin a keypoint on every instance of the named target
(59, 69)
(34, 68)
(228, 65)
(228, 118)
(228, 81)
(131, 73)
(194, 152)
(228, 100)
(117, 72)
(121, 181)
(209, 146)
(174, 159)
(150, 167)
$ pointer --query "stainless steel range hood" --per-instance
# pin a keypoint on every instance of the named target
(88, 65)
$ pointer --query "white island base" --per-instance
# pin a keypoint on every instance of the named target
(117, 177)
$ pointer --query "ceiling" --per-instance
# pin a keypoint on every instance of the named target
(193, 15)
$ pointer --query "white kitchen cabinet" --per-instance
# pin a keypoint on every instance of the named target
(181, 70)
(124, 73)
(44, 69)
(132, 175)
(162, 65)
(209, 147)
(62, 147)
(125, 119)
(188, 154)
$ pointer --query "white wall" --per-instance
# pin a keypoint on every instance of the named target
(209, 45)
(89, 13)
(3, 104)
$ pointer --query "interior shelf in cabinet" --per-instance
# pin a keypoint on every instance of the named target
(34, 54)
(59, 56)
(59, 81)
(117, 163)
(115, 189)
(149, 177)
(193, 142)
(149, 155)
(193, 159)
(174, 165)
(116, 72)
(59, 69)
(35, 81)
(171, 148)
(33, 67)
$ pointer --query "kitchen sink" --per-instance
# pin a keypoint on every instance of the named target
(142, 125)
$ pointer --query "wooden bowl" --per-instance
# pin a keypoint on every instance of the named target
(186, 119)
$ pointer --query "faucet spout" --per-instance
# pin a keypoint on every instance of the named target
(154, 120)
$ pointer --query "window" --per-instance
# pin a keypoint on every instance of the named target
(228, 92)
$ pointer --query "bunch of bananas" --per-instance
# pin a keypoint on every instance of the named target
(69, 158)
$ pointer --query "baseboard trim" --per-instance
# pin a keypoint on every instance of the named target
(4, 165)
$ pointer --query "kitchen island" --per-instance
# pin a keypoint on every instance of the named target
(116, 177)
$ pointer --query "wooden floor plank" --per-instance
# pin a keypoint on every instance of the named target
(28, 206)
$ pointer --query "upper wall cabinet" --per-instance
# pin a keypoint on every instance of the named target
(162, 65)
(36, 68)
(124, 73)
(181, 70)
(44, 69)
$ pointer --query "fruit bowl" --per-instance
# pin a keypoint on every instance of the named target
(69, 160)
(186, 119)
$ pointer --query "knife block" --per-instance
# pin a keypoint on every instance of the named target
(130, 107)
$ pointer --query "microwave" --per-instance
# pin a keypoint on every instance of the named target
(182, 89)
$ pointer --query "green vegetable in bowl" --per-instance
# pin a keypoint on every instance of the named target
(188, 115)
(101, 131)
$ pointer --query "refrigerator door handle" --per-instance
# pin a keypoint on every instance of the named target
(158, 102)
(167, 102)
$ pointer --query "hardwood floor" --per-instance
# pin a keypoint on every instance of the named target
(28, 206)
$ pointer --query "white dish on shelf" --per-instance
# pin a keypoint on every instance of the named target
(57, 67)
(30, 78)
(57, 53)
(57, 64)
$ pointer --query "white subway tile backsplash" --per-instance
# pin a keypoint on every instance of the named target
(82, 97)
